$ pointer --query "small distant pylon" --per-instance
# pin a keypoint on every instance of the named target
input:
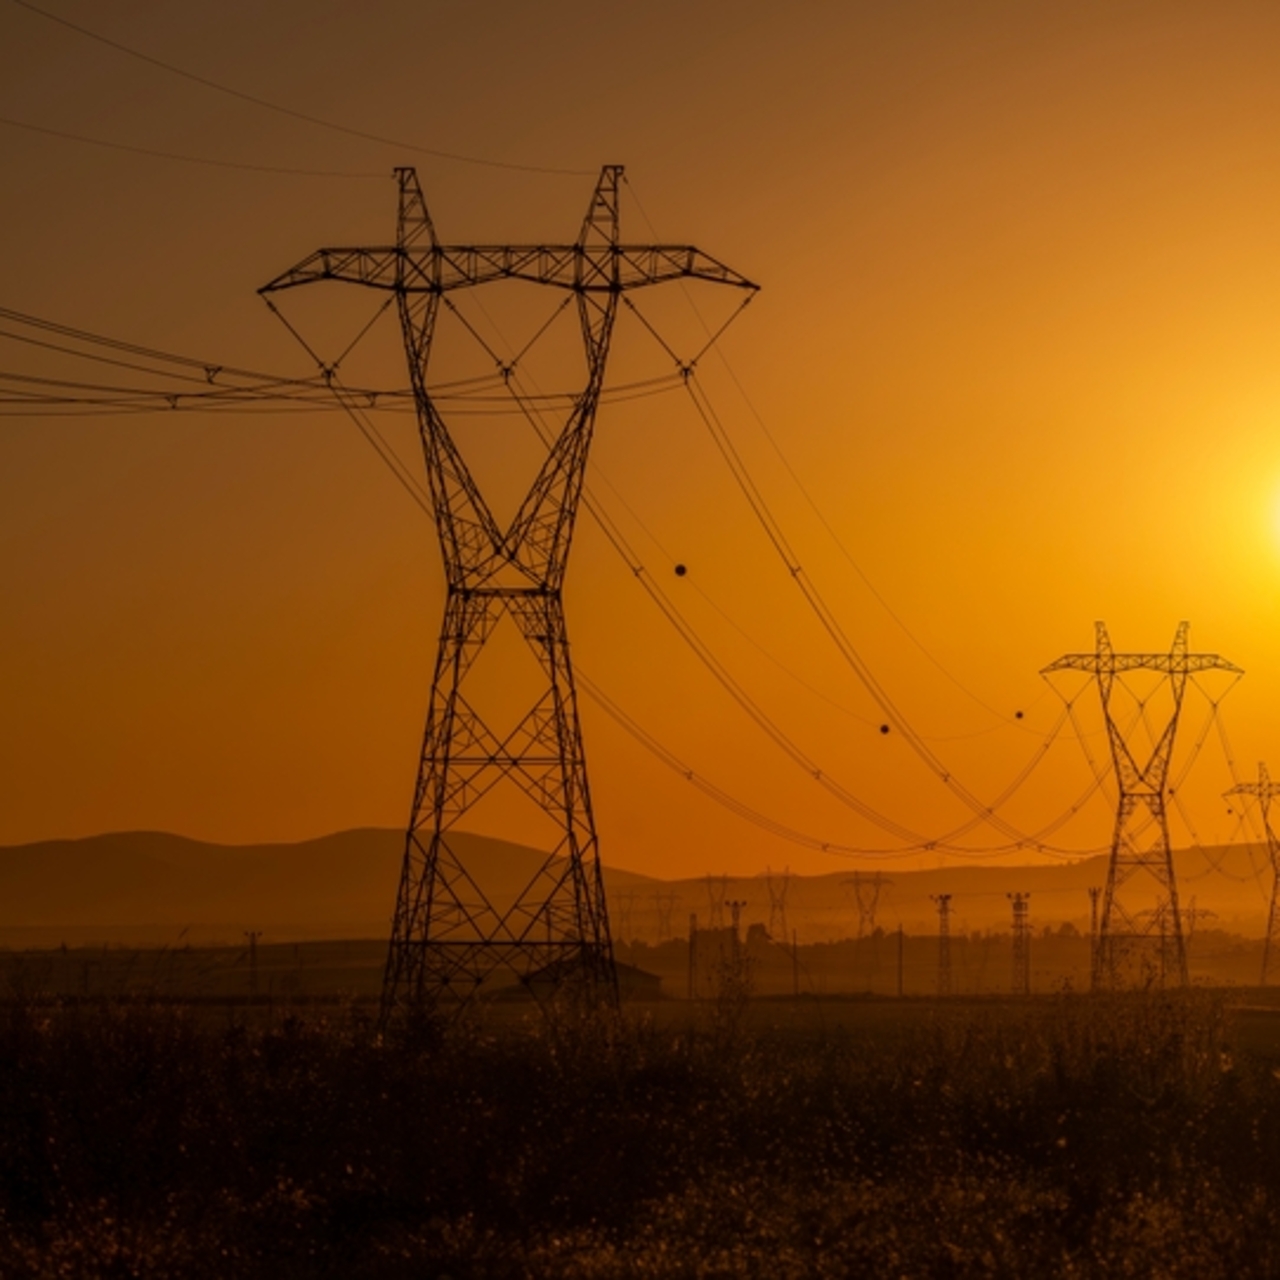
(1021, 943)
(866, 896)
(626, 903)
(1264, 791)
(943, 902)
(778, 887)
(1193, 915)
(1136, 945)
(664, 903)
(717, 896)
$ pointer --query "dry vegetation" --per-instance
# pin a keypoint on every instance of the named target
(1076, 1136)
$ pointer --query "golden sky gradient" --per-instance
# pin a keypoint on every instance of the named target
(1017, 336)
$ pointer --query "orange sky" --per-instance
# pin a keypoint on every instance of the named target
(1016, 336)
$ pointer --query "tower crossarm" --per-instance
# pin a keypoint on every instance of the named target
(441, 268)
(1115, 663)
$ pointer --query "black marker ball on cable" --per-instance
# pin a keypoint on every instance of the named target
(681, 571)
(884, 728)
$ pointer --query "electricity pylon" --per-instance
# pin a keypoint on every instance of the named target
(448, 937)
(778, 888)
(866, 896)
(1132, 946)
(1021, 985)
(1264, 791)
(943, 902)
(717, 896)
(663, 904)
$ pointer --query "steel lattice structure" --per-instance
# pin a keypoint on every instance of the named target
(866, 897)
(1264, 791)
(448, 937)
(1136, 945)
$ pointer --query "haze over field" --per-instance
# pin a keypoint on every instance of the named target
(149, 888)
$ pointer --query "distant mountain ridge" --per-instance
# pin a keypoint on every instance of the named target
(148, 886)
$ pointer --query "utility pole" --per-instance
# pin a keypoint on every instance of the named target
(448, 937)
(1141, 853)
(1021, 985)
(1264, 791)
(795, 964)
(900, 950)
(1095, 892)
(943, 902)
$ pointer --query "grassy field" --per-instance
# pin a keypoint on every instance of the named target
(1069, 1135)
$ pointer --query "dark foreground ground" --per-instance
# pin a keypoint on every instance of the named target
(1072, 1136)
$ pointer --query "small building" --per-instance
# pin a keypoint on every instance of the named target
(633, 983)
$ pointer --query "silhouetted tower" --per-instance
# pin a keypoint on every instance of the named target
(943, 902)
(866, 897)
(664, 903)
(448, 937)
(1193, 915)
(1264, 791)
(626, 901)
(1021, 943)
(717, 896)
(778, 887)
(1136, 945)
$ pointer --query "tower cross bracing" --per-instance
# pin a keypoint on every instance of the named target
(448, 937)
(1140, 941)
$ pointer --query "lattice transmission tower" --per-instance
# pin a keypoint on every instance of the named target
(778, 888)
(1264, 791)
(717, 896)
(1021, 985)
(448, 936)
(866, 897)
(1141, 941)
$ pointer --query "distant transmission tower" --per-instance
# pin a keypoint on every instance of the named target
(778, 887)
(717, 896)
(943, 902)
(626, 901)
(664, 903)
(1021, 943)
(1264, 791)
(866, 896)
(448, 938)
(1137, 945)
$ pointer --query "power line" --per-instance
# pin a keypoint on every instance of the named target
(280, 109)
(818, 512)
(208, 161)
(822, 611)
(912, 840)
